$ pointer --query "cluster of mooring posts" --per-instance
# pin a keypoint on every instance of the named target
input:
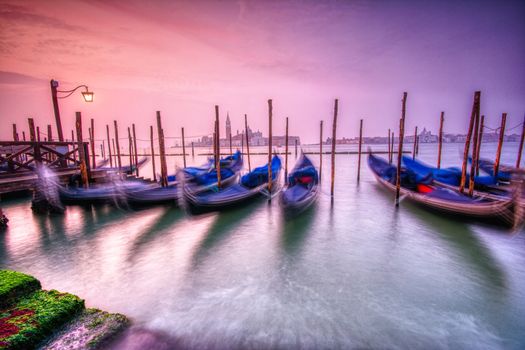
(66, 158)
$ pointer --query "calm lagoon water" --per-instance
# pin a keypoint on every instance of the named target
(352, 273)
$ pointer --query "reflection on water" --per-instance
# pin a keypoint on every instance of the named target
(351, 272)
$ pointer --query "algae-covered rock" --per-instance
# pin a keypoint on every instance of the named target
(92, 329)
(35, 317)
(14, 285)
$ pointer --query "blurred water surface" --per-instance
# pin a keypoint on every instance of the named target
(352, 273)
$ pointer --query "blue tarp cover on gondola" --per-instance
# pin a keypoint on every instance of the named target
(449, 176)
(259, 176)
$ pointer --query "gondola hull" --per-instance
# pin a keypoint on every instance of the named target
(297, 197)
(498, 211)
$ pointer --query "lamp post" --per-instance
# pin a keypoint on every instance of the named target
(87, 95)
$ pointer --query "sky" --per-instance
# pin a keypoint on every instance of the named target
(184, 57)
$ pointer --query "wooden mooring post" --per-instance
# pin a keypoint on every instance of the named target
(359, 150)
(114, 151)
(440, 138)
(82, 156)
(135, 150)
(32, 132)
(480, 140)
(109, 147)
(92, 141)
(388, 147)
(518, 161)
(475, 107)
(295, 148)
(218, 145)
(73, 140)
(162, 151)
(38, 133)
(130, 150)
(334, 141)
(415, 144)
(231, 150)
(320, 150)
(286, 154)
(474, 154)
(152, 152)
(392, 148)
(400, 147)
(119, 159)
(270, 112)
(247, 141)
(183, 149)
(500, 144)
(192, 150)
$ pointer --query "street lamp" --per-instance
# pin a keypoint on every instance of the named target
(87, 95)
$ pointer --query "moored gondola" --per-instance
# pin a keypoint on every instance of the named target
(438, 198)
(249, 187)
(302, 189)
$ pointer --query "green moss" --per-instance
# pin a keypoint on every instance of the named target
(44, 311)
(14, 285)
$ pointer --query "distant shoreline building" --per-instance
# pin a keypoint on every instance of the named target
(238, 140)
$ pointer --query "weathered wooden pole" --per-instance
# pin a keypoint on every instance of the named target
(114, 151)
(320, 151)
(334, 141)
(359, 151)
(295, 148)
(440, 138)
(15, 133)
(247, 141)
(102, 149)
(388, 148)
(38, 133)
(192, 150)
(231, 150)
(130, 150)
(415, 144)
(270, 112)
(480, 140)
(392, 148)
(286, 154)
(54, 97)
(109, 146)
(474, 154)
(73, 140)
(135, 150)
(400, 147)
(183, 149)
(152, 152)
(93, 156)
(242, 144)
(81, 151)
(118, 147)
(500, 144)
(475, 105)
(32, 132)
(162, 150)
(518, 161)
(218, 142)
(49, 133)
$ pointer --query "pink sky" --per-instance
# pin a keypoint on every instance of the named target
(184, 57)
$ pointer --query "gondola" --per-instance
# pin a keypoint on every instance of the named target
(196, 178)
(249, 187)
(104, 193)
(485, 186)
(440, 199)
(302, 189)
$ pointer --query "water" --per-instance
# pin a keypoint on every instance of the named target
(353, 274)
